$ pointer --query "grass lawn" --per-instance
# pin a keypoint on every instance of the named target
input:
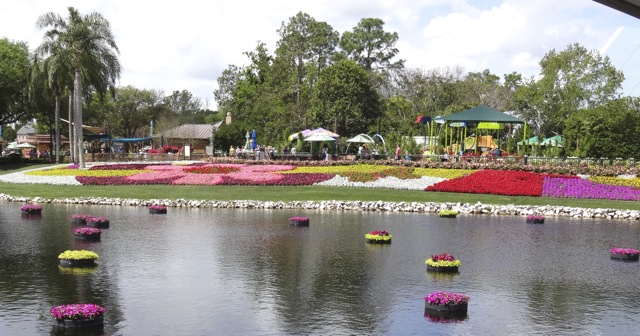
(284, 193)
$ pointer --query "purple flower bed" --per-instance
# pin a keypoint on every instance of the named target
(621, 250)
(581, 188)
(87, 231)
(286, 180)
(77, 311)
(31, 207)
(443, 298)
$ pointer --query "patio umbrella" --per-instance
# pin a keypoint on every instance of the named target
(323, 131)
(361, 138)
(319, 137)
(25, 145)
(11, 145)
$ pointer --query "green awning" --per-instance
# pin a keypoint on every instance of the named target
(483, 113)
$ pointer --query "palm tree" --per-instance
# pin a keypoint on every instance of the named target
(86, 46)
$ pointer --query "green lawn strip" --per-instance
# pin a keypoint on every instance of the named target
(9, 168)
(295, 193)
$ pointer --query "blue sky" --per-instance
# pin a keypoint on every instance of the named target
(187, 44)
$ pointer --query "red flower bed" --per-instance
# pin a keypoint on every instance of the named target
(495, 182)
(121, 180)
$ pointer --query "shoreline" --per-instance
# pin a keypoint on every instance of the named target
(380, 206)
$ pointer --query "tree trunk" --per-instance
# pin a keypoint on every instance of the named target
(56, 141)
(77, 89)
(72, 138)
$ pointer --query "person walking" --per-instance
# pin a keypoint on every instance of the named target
(398, 152)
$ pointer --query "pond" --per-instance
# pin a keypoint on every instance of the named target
(248, 272)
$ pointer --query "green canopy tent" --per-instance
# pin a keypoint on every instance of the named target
(484, 114)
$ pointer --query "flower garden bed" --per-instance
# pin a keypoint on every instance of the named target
(98, 222)
(624, 254)
(378, 237)
(445, 263)
(78, 315)
(448, 213)
(87, 233)
(31, 209)
(448, 302)
(535, 219)
(299, 221)
(77, 258)
(485, 178)
(79, 219)
(157, 209)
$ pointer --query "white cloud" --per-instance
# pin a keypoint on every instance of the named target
(186, 45)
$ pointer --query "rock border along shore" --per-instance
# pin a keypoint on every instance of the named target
(427, 207)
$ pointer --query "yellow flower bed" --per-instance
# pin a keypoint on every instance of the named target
(634, 182)
(442, 173)
(443, 263)
(84, 172)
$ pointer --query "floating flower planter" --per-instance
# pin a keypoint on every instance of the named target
(625, 254)
(98, 222)
(157, 209)
(299, 221)
(31, 209)
(78, 315)
(448, 213)
(78, 258)
(447, 302)
(445, 263)
(87, 233)
(378, 237)
(79, 219)
(535, 219)
(77, 270)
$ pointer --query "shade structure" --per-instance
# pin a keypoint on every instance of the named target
(319, 137)
(554, 141)
(361, 138)
(483, 113)
(12, 145)
(531, 141)
(25, 145)
(307, 133)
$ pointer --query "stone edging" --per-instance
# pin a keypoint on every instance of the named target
(427, 207)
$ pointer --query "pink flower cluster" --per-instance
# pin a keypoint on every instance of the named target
(157, 207)
(87, 231)
(97, 219)
(77, 311)
(379, 233)
(445, 298)
(535, 217)
(621, 250)
(443, 257)
(31, 207)
(299, 219)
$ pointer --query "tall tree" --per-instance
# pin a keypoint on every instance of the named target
(572, 79)
(346, 99)
(370, 46)
(90, 48)
(14, 80)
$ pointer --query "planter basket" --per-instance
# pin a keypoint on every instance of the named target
(65, 323)
(452, 308)
(77, 262)
(82, 236)
(158, 211)
(443, 269)
(535, 220)
(78, 221)
(304, 222)
(32, 212)
(448, 215)
(378, 241)
(99, 224)
(625, 257)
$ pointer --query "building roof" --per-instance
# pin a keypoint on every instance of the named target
(630, 7)
(191, 131)
(483, 113)
(26, 129)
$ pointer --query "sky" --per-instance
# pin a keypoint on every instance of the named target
(185, 45)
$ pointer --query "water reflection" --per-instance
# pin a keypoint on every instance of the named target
(249, 272)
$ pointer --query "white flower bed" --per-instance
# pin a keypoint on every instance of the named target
(389, 182)
(21, 177)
